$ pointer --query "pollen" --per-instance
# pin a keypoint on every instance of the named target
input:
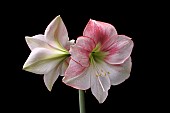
(101, 72)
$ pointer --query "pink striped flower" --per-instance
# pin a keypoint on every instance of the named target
(100, 58)
(49, 52)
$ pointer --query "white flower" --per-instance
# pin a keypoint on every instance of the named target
(49, 52)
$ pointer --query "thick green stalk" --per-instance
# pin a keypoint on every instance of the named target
(81, 101)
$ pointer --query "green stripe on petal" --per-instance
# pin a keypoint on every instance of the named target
(42, 60)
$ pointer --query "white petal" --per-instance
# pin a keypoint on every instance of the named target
(71, 42)
(37, 41)
(118, 73)
(56, 33)
(51, 77)
(99, 71)
(42, 60)
(122, 72)
(62, 67)
(97, 89)
(104, 82)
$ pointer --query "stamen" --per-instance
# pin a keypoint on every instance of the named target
(99, 71)
(101, 85)
(96, 57)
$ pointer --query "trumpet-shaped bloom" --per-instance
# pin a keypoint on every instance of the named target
(100, 58)
(49, 52)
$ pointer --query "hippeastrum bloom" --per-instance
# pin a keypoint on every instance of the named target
(100, 58)
(49, 52)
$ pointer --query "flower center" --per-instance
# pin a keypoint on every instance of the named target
(96, 58)
(60, 54)
(97, 55)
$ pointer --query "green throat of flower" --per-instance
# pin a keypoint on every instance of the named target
(96, 58)
(97, 55)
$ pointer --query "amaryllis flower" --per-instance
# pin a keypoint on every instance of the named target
(100, 58)
(49, 52)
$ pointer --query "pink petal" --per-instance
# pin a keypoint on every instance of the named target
(36, 41)
(77, 76)
(119, 48)
(74, 69)
(99, 31)
(120, 72)
(56, 33)
(81, 50)
(97, 89)
(85, 43)
(79, 54)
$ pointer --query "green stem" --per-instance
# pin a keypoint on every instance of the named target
(81, 102)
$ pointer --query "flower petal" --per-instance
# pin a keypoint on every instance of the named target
(99, 31)
(104, 82)
(51, 77)
(119, 49)
(97, 89)
(101, 73)
(62, 67)
(85, 43)
(36, 41)
(42, 60)
(74, 69)
(120, 72)
(80, 55)
(56, 33)
(117, 73)
(81, 50)
(77, 76)
(68, 45)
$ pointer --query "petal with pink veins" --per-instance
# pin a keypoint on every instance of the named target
(77, 76)
(80, 55)
(119, 48)
(81, 50)
(85, 43)
(99, 31)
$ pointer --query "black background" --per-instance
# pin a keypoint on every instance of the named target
(24, 91)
